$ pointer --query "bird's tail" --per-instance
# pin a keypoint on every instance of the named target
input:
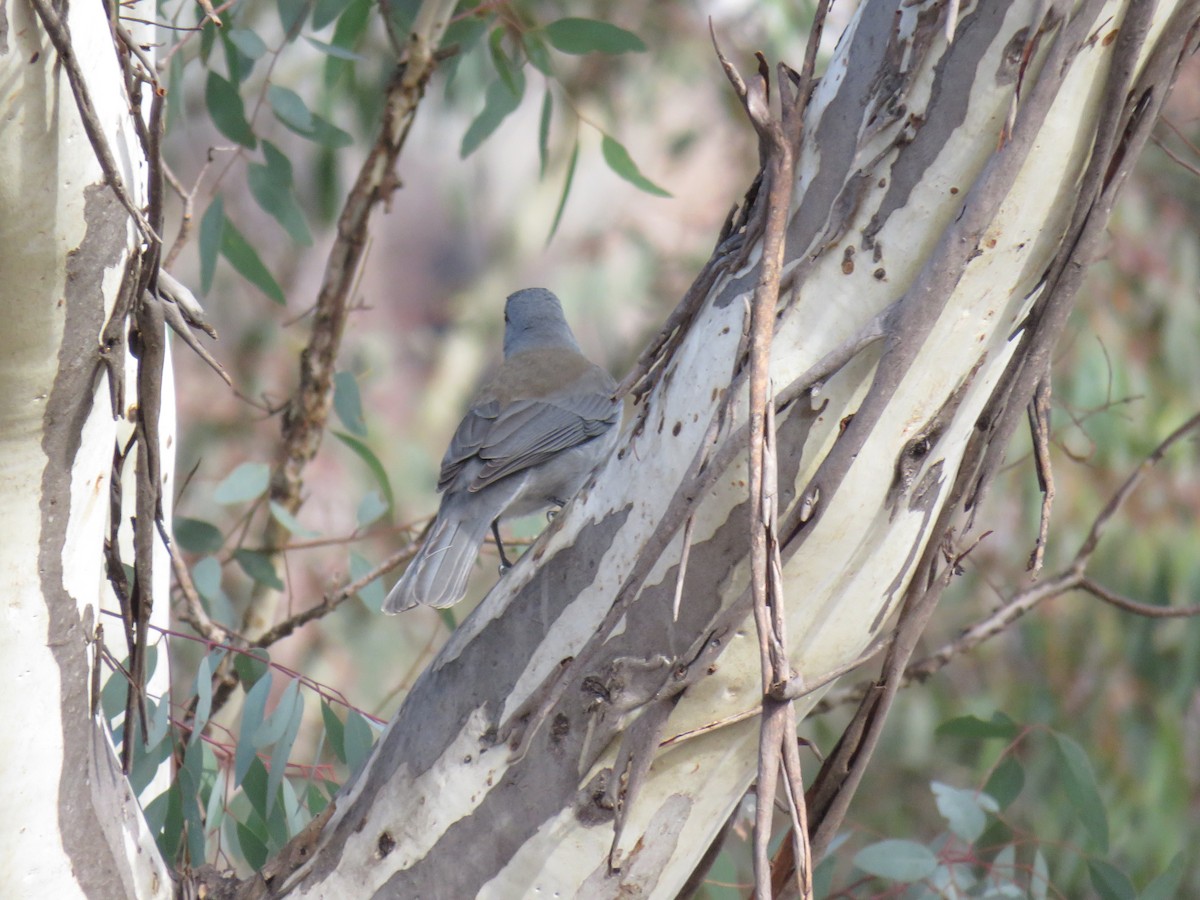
(437, 576)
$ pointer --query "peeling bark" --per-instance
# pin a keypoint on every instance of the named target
(73, 825)
(944, 198)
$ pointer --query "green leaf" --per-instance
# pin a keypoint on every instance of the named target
(290, 522)
(211, 228)
(370, 594)
(172, 822)
(403, 14)
(114, 694)
(462, 34)
(193, 822)
(255, 787)
(1109, 881)
(351, 27)
(314, 799)
(370, 508)
(271, 185)
(334, 729)
(562, 201)
(366, 455)
(203, 692)
(358, 738)
(190, 776)
(1166, 885)
(291, 15)
(326, 11)
(536, 53)
(498, 102)
(962, 810)
(206, 575)
(246, 482)
(196, 535)
(1006, 782)
(274, 725)
(505, 68)
(290, 109)
(148, 757)
(579, 36)
(246, 261)
(248, 42)
(252, 717)
(619, 161)
(448, 618)
(544, 132)
(238, 64)
(897, 860)
(160, 721)
(1079, 781)
(214, 811)
(252, 665)
(347, 403)
(1000, 726)
(175, 91)
(335, 51)
(258, 566)
(253, 848)
(228, 114)
(283, 748)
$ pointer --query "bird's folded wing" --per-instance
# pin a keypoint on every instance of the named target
(518, 435)
(470, 435)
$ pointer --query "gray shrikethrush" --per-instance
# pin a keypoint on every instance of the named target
(529, 441)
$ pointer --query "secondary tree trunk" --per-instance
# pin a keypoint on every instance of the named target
(71, 823)
(948, 195)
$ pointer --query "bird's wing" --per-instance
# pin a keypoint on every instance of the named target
(469, 437)
(511, 437)
(531, 431)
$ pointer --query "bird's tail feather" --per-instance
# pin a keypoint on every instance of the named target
(438, 574)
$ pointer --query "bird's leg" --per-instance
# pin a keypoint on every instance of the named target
(505, 564)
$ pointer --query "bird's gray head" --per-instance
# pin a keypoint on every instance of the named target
(533, 320)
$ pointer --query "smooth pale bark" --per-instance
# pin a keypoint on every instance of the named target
(930, 201)
(72, 826)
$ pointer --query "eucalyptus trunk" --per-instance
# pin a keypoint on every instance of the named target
(72, 825)
(579, 735)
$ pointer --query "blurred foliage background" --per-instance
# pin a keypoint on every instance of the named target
(462, 233)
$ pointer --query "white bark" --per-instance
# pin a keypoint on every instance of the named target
(71, 824)
(928, 195)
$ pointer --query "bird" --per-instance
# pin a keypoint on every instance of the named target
(535, 432)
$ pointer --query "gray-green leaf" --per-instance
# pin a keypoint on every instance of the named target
(498, 102)
(619, 161)
(578, 36)
(271, 185)
(227, 111)
(897, 860)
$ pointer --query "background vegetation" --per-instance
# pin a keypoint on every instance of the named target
(1081, 722)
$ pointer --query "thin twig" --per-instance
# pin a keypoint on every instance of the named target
(1039, 429)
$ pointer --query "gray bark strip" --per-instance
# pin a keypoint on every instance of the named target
(935, 190)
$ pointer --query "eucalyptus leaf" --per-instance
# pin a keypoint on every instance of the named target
(247, 482)
(579, 36)
(227, 111)
(898, 860)
(619, 161)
